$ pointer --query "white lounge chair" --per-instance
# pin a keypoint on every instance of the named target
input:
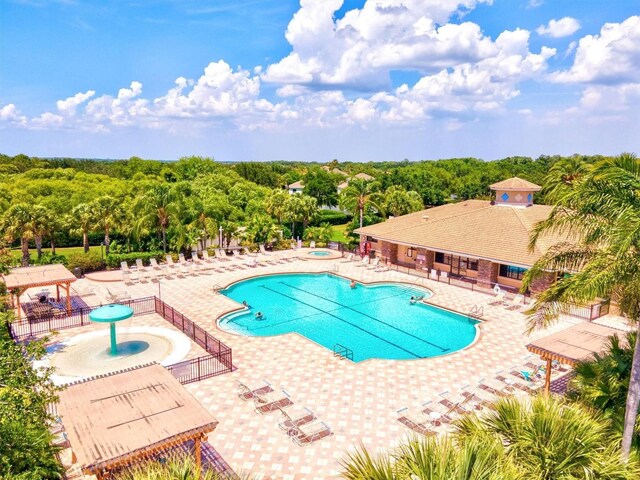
(263, 250)
(246, 250)
(221, 255)
(236, 253)
(433, 274)
(171, 264)
(363, 263)
(498, 299)
(207, 258)
(516, 303)
(374, 264)
(312, 244)
(348, 258)
(141, 268)
(310, 432)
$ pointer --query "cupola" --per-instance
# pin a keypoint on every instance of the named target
(515, 192)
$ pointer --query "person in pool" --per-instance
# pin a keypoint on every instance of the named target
(259, 316)
(353, 284)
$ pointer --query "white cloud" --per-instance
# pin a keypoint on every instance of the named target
(9, 114)
(559, 28)
(609, 58)
(360, 49)
(68, 105)
(534, 3)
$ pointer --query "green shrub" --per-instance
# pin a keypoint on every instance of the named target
(87, 262)
(114, 259)
(331, 217)
(49, 259)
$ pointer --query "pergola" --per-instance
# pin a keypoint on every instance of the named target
(122, 418)
(570, 346)
(23, 278)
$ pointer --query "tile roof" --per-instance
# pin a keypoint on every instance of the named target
(515, 183)
(37, 276)
(472, 228)
(364, 176)
(298, 184)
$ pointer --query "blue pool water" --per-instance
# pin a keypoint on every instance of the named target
(320, 253)
(373, 321)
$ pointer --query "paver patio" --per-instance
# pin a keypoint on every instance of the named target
(358, 401)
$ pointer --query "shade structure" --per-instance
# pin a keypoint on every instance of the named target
(572, 345)
(21, 279)
(128, 416)
(111, 313)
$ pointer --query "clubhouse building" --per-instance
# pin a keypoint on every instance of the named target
(483, 241)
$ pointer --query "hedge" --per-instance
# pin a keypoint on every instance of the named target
(332, 217)
(114, 259)
(87, 262)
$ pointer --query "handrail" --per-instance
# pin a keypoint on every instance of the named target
(342, 352)
(476, 312)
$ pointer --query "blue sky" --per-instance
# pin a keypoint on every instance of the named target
(319, 79)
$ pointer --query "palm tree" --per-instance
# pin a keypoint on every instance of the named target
(108, 213)
(602, 382)
(563, 175)
(19, 222)
(173, 469)
(602, 210)
(83, 218)
(397, 201)
(359, 195)
(322, 233)
(275, 204)
(547, 438)
(41, 226)
(157, 208)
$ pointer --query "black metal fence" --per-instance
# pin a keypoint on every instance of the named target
(219, 358)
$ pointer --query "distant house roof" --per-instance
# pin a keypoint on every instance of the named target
(337, 171)
(117, 419)
(364, 176)
(298, 184)
(343, 185)
(473, 228)
(516, 183)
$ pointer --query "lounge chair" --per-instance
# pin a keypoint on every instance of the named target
(516, 303)
(247, 392)
(433, 274)
(221, 255)
(117, 296)
(170, 263)
(263, 250)
(155, 266)
(312, 244)
(185, 267)
(206, 257)
(363, 263)
(305, 434)
(271, 401)
(374, 264)
(444, 275)
(417, 421)
(236, 253)
(294, 416)
(133, 275)
(141, 268)
(348, 258)
(246, 250)
(498, 299)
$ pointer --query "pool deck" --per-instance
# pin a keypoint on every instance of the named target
(358, 401)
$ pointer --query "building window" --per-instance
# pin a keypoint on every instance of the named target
(410, 252)
(371, 239)
(459, 265)
(509, 271)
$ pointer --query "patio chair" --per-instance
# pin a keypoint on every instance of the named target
(221, 255)
(271, 401)
(247, 392)
(294, 416)
(141, 268)
(246, 250)
(117, 296)
(433, 274)
(348, 258)
(236, 253)
(171, 265)
(418, 421)
(312, 244)
(160, 270)
(363, 263)
(132, 275)
(305, 434)
(498, 299)
(207, 259)
(382, 268)
(263, 250)
(516, 303)
(444, 275)
(374, 264)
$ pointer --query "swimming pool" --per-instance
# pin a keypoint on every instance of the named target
(377, 321)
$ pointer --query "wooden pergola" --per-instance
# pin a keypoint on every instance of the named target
(21, 279)
(116, 420)
(577, 343)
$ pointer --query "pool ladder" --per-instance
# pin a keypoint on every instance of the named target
(476, 312)
(342, 352)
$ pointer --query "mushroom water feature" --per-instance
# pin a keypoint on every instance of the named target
(111, 314)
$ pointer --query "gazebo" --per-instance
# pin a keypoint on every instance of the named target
(23, 278)
(572, 345)
(129, 416)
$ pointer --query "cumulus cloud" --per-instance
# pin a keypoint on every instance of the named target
(68, 105)
(359, 50)
(611, 57)
(10, 115)
(559, 28)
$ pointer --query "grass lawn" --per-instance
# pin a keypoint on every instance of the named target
(66, 251)
(339, 234)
